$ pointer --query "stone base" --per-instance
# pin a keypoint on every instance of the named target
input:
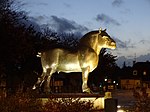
(97, 99)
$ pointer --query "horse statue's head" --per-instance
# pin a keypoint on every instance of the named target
(97, 40)
(105, 41)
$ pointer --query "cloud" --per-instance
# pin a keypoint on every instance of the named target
(60, 25)
(123, 45)
(106, 19)
(144, 41)
(63, 25)
(130, 59)
(42, 4)
(40, 18)
(67, 5)
(144, 58)
(117, 2)
(120, 44)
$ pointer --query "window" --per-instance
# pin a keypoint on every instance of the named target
(144, 73)
(135, 72)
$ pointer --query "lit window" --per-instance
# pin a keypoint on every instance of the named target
(144, 73)
(135, 72)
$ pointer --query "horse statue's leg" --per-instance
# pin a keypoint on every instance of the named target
(40, 80)
(47, 84)
(85, 74)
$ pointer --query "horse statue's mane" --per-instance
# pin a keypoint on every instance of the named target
(89, 38)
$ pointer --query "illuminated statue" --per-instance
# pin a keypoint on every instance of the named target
(84, 60)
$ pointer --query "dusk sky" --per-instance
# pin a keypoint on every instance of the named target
(127, 21)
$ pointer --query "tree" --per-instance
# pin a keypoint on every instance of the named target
(49, 39)
(69, 41)
(17, 44)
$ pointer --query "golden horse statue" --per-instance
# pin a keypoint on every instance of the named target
(84, 60)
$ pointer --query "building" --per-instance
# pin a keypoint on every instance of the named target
(130, 83)
(136, 76)
(141, 70)
(126, 78)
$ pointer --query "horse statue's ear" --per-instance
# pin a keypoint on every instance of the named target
(100, 30)
(105, 30)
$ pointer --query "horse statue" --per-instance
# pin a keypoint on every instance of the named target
(84, 60)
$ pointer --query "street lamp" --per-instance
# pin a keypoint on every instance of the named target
(105, 79)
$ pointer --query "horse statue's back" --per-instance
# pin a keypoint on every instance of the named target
(84, 60)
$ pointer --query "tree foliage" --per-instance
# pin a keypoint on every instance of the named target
(17, 44)
(69, 41)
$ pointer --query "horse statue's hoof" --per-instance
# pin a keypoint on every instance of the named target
(88, 91)
(34, 87)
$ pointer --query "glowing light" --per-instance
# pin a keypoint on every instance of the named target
(120, 110)
(144, 73)
(118, 106)
(46, 66)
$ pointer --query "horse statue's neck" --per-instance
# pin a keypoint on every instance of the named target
(91, 40)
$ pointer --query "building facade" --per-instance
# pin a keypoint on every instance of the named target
(136, 76)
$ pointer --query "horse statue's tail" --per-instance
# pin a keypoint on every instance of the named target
(39, 54)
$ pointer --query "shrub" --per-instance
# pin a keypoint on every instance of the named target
(20, 103)
(26, 102)
(68, 105)
(142, 100)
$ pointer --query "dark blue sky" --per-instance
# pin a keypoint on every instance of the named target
(127, 21)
